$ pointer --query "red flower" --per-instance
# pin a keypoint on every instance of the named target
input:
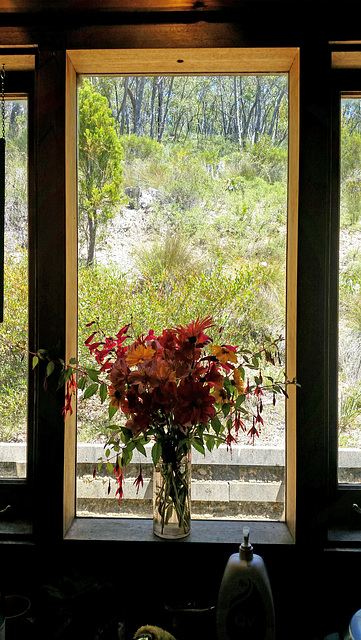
(230, 440)
(168, 340)
(139, 479)
(195, 403)
(71, 386)
(214, 377)
(238, 424)
(118, 372)
(252, 433)
(193, 332)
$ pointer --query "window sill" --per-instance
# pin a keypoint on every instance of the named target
(344, 538)
(202, 531)
(16, 531)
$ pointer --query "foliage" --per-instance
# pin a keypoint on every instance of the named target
(199, 108)
(100, 163)
(179, 389)
(350, 408)
(13, 335)
(16, 184)
(210, 249)
(167, 258)
(140, 147)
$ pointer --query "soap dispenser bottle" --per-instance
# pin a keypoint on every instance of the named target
(245, 609)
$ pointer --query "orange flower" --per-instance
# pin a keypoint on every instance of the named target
(139, 354)
(238, 380)
(223, 354)
(220, 395)
(160, 373)
(116, 395)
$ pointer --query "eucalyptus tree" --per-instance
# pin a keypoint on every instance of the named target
(100, 164)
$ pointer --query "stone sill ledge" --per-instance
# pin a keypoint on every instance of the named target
(202, 531)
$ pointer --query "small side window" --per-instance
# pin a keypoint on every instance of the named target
(14, 328)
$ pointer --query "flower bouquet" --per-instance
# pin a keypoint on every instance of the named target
(180, 389)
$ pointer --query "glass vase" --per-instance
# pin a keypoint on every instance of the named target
(172, 498)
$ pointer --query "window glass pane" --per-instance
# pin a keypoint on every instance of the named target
(350, 293)
(14, 329)
(197, 229)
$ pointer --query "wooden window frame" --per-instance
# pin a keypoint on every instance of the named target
(17, 492)
(343, 521)
(183, 62)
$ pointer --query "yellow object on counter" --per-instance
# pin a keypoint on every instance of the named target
(149, 632)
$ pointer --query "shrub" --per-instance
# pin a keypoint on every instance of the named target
(14, 331)
(141, 147)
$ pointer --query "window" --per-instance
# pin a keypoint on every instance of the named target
(197, 228)
(344, 334)
(14, 329)
(53, 265)
(135, 63)
(17, 416)
(349, 293)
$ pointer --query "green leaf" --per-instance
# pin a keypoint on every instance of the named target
(81, 383)
(198, 445)
(210, 442)
(61, 380)
(226, 409)
(127, 455)
(72, 361)
(156, 452)
(35, 361)
(112, 411)
(93, 375)
(50, 368)
(241, 398)
(216, 425)
(110, 467)
(140, 448)
(103, 391)
(126, 435)
(66, 373)
(93, 388)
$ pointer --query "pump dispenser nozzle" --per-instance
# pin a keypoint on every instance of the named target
(246, 549)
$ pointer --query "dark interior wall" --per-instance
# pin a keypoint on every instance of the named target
(316, 590)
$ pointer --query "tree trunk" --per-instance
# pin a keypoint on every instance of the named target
(165, 114)
(258, 110)
(92, 229)
(123, 105)
(223, 107)
(152, 107)
(238, 126)
(160, 87)
(139, 83)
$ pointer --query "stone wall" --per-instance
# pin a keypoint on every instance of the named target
(247, 482)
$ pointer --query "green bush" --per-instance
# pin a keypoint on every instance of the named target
(140, 147)
(13, 332)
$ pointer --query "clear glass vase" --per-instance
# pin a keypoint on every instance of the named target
(172, 498)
